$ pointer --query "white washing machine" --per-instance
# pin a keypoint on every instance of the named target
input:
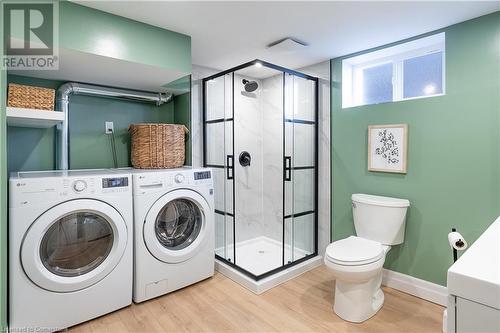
(174, 230)
(70, 247)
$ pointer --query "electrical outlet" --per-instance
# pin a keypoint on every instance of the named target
(108, 127)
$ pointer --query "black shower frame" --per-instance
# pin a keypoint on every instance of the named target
(227, 167)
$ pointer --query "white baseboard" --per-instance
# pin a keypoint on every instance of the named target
(429, 291)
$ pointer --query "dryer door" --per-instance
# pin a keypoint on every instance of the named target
(175, 227)
(74, 245)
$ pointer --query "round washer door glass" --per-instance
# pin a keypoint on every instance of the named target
(178, 224)
(76, 244)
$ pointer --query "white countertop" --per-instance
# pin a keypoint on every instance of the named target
(476, 275)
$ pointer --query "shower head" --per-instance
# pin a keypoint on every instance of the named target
(250, 86)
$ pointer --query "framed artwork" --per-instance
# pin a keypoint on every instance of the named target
(387, 148)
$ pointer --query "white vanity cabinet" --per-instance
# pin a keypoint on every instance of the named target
(474, 286)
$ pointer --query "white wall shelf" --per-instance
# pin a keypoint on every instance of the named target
(21, 117)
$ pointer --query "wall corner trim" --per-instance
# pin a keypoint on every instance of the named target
(429, 291)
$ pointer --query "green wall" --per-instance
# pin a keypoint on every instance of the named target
(182, 115)
(3, 194)
(89, 30)
(90, 147)
(33, 149)
(453, 177)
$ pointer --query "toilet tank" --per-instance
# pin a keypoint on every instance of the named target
(381, 219)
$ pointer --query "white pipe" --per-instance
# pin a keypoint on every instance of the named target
(69, 88)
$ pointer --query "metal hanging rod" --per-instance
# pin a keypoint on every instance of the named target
(72, 88)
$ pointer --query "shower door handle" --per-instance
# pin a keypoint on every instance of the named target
(229, 166)
(287, 168)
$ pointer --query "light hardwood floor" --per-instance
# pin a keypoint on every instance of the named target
(303, 304)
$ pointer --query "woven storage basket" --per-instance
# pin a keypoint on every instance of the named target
(30, 97)
(157, 146)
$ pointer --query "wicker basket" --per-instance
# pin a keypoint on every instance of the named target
(157, 146)
(29, 97)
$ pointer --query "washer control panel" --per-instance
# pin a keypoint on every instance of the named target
(28, 190)
(84, 185)
(114, 182)
(179, 178)
(79, 186)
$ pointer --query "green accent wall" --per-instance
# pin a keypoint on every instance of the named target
(182, 115)
(93, 31)
(3, 193)
(90, 147)
(453, 177)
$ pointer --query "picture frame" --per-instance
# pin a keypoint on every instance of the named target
(388, 148)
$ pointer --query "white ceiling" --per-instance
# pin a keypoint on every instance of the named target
(227, 34)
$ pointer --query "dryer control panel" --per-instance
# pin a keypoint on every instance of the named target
(202, 175)
(163, 180)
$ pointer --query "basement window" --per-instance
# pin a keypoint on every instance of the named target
(414, 69)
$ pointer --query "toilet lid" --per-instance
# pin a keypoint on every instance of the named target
(354, 250)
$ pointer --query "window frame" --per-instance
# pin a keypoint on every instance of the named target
(352, 72)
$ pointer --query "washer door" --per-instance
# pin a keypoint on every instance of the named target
(175, 227)
(74, 245)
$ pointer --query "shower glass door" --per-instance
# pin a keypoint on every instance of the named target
(218, 155)
(260, 130)
(300, 168)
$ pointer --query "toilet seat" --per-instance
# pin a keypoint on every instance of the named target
(354, 251)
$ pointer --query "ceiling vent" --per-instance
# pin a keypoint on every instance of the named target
(288, 44)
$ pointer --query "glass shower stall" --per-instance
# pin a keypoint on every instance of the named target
(260, 126)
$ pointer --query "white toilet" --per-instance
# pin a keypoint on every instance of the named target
(357, 261)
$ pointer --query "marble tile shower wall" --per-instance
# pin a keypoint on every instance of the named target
(248, 123)
(272, 131)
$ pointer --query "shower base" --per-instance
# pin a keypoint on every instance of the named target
(262, 254)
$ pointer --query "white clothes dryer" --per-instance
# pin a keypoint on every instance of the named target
(174, 230)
